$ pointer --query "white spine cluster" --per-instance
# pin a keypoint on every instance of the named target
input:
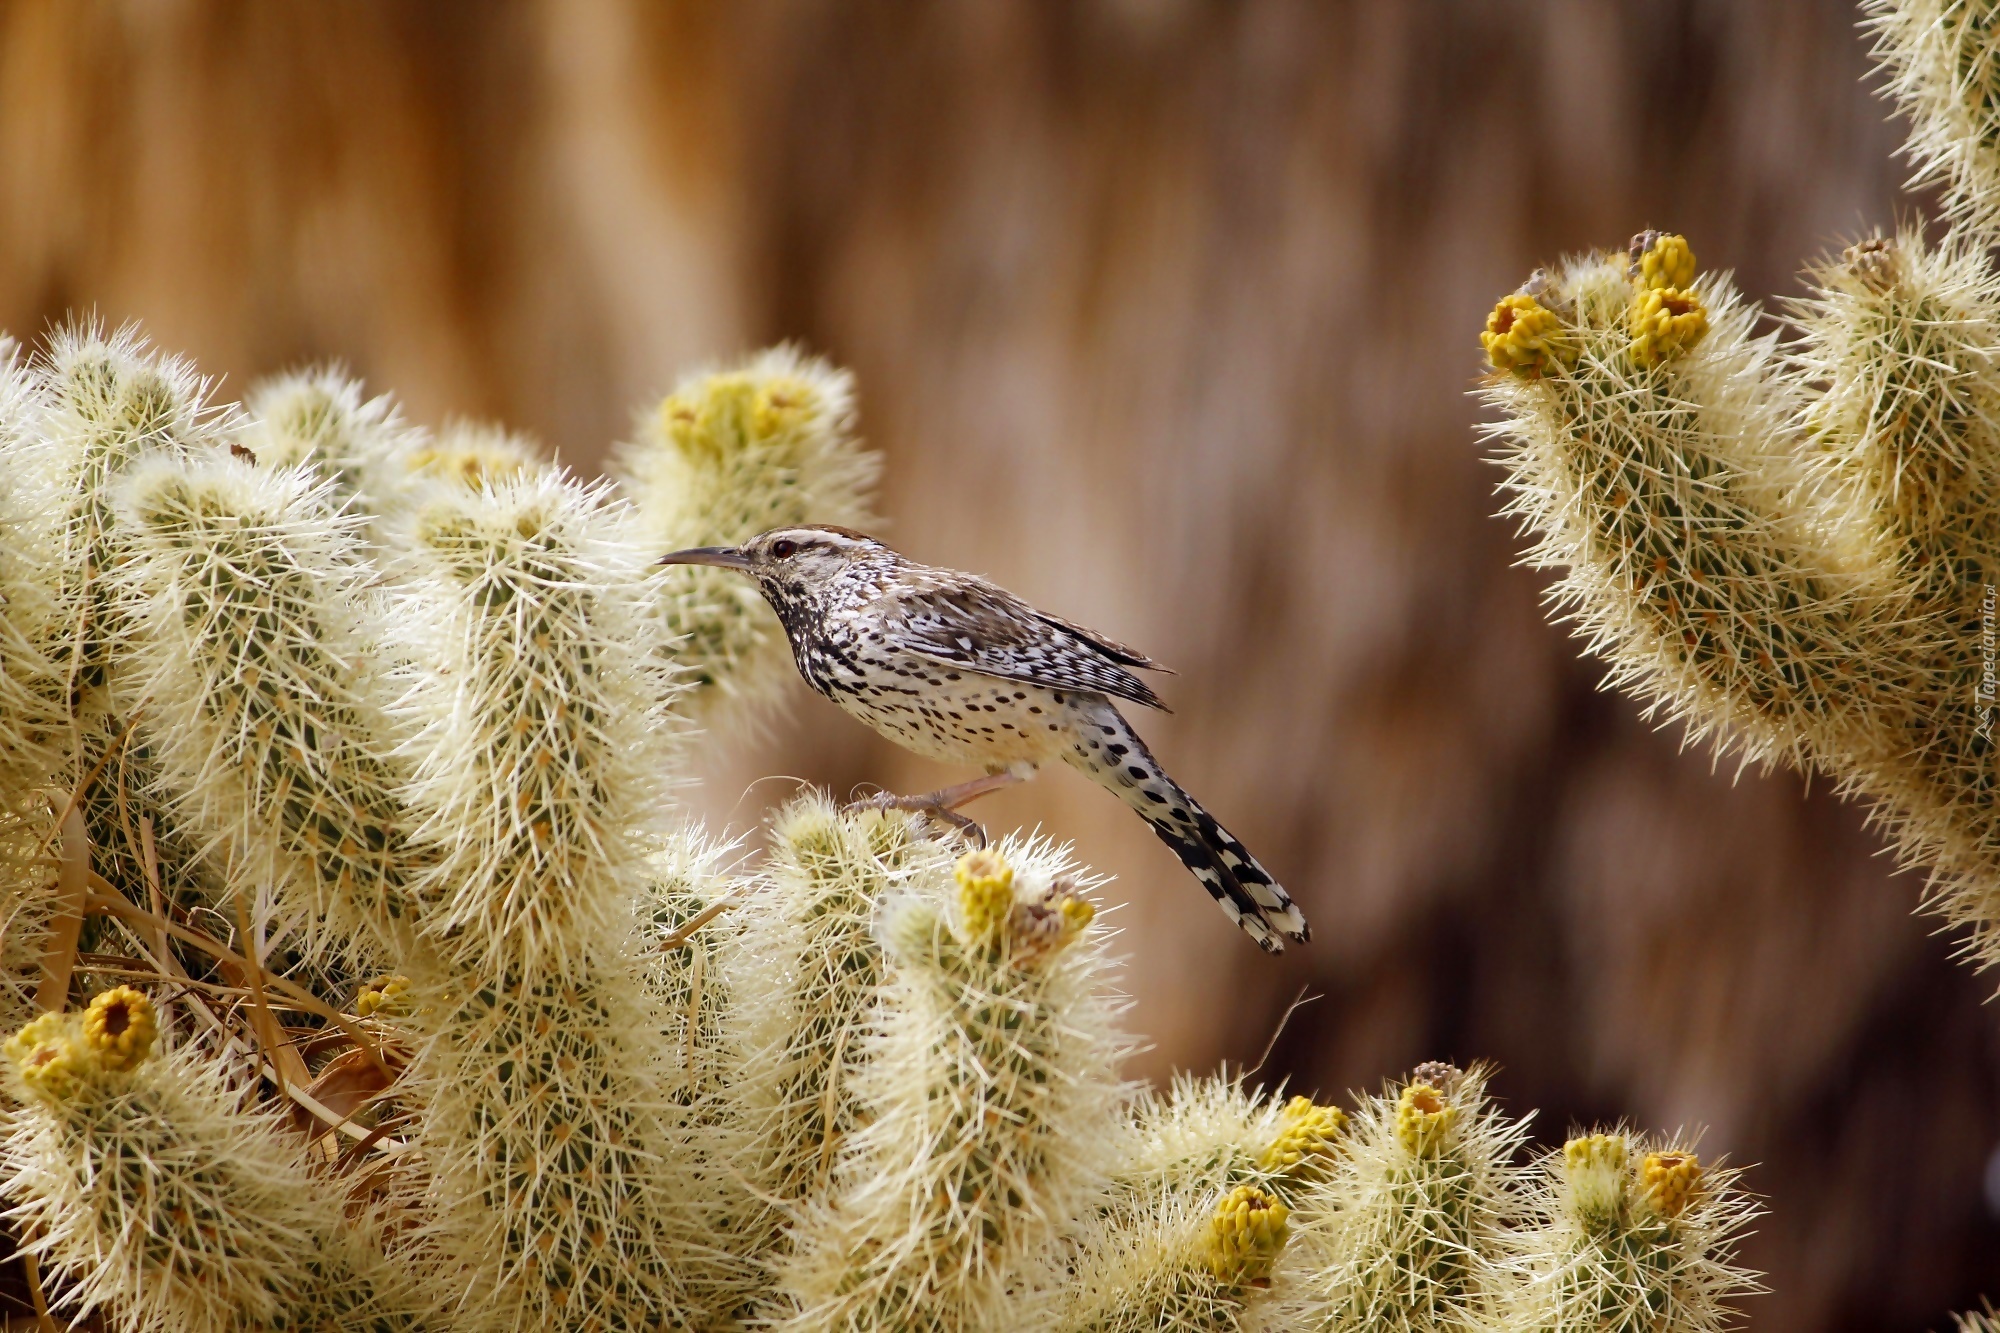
(324, 420)
(1943, 62)
(1904, 338)
(35, 736)
(1667, 495)
(1165, 1252)
(809, 927)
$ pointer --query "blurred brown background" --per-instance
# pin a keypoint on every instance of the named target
(1164, 314)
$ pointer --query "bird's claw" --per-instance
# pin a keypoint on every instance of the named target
(931, 805)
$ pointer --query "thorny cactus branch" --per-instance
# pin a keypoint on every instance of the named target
(250, 607)
(1409, 1228)
(1794, 548)
(1629, 1237)
(150, 1186)
(986, 1082)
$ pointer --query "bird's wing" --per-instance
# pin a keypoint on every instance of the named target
(979, 627)
(1111, 648)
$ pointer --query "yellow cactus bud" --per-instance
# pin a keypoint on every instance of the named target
(1661, 260)
(1595, 1167)
(781, 404)
(1423, 1118)
(1877, 263)
(1665, 322)
(49, 1057)
(728, 411)
(475, 462)
(1041, 925)
(1077, 913)
(1669, 1181)
(1245, 1236)
(382, 996)
(1524, 337)
(985, 896)
(1309, 1139)
(120, 1027)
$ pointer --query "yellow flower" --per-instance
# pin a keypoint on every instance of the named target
(1595, 1166)
(1246, 1234)
(1308, 1140)
(120, 1027)
(1665, 322)
(50, 1058)
(985, 896)
(381, 996)
(1524, 338)
(1423, 1118)
(1660, 260)
(1670, 1181)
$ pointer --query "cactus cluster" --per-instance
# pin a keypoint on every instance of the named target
(1789, 540)
(363, 974)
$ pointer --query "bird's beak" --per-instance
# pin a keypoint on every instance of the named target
(722, 557)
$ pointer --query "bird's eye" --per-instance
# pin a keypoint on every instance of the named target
(783, 547)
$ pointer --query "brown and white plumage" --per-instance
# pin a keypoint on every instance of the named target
(958, 669)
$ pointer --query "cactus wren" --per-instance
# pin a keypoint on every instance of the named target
(950, 666)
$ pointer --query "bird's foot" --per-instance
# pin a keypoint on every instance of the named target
(942, 804)
(928, 805)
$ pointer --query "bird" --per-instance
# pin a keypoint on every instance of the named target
(958, 669)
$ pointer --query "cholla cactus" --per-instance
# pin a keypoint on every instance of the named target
(1407, 1233)
(1943, 62)
(105, 404)
(362, 741)
(730, 454)
(1631, 1238)
(322, 419)
(249, 591)
(1200, 1211)
(561, 1186)
(987, 1080)
(807, 970)
(1795, 549)
(155, 1191)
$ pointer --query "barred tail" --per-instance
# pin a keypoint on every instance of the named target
(1111, 753)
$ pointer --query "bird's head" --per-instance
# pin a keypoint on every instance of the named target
(793, 564)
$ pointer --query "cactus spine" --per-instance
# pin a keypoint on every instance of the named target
(1406, 1231)
(1200, 1211)
(250, 603)
(562, 1185)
